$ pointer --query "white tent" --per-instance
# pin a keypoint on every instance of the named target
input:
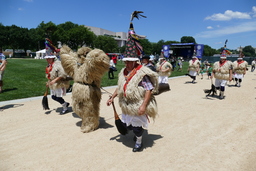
(40, 54)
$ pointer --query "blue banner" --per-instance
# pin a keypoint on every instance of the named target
(199, 50)
(166, 50)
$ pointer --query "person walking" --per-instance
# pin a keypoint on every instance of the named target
(3, 63)
(146, 62)
(56, 77)
(253, 65)
(112, 68)
(193, 68)
(136, 86)
(222, 72)
(239, 69)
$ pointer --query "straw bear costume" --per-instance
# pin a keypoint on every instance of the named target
(86, 67)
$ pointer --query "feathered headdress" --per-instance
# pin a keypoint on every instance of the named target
(133, 48)
(50, 48)
(225, 51)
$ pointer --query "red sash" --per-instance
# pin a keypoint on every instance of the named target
(239, 62)
(162, 65)
(130, 75)
(48, 69)
(221, 64)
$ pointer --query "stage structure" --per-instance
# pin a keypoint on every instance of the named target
(186, 50)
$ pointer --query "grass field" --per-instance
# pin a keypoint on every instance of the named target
(25, 78)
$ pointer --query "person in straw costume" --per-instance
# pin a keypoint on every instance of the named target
(193, 68)
(86, 67)
(136, 86)
(164, 70)
(56, 76)
(222, 71)
(239, 69)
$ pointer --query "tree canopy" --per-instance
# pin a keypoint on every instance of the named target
(76, 36)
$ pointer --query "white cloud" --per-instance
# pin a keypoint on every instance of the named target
(209, 27)
(228, 15)
(20, 9)
(241, 28)
(254, 11)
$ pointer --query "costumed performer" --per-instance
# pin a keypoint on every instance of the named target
(136, 86)
(239, 69)
(164, 70)
(87, 68)
(56, 76)
(222, 72)
(193, 68)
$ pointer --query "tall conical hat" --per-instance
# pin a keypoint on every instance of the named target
(133, 48)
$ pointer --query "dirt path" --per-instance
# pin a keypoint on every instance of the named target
(192, 132)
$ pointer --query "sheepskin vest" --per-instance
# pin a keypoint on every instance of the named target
(222, 72)
(58, 71)
(239, 68)
(134, 94)
(164, 66)
(193, 66)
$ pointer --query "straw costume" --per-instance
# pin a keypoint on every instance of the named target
(239, 69)
(86, 67)
(136, 86)
(56, 76)
(193, 68)
(222, 71)
(164, 70)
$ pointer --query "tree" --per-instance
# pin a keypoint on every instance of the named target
(187, 39)
(35, 38)
(157, 47)
(74, 35)
(147, 46)
(3, 36)
(249, 51)
(208, 51)
(106, 43)
(46, 30)
(18, 38)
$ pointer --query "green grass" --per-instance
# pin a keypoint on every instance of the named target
(25, 78)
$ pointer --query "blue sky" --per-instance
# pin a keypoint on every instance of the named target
(210, 22)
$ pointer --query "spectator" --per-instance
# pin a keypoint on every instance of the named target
(253, 65)
(3, 63)
(146, 62)
(112, 68)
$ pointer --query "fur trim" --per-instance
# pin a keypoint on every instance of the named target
(135, 94)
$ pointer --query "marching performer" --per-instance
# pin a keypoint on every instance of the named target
(193, 68)
(164, 70)
(136, 86)
(239, 69)
(56, 77)
(222, 72)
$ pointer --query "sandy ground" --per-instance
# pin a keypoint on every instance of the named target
(191, 133)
